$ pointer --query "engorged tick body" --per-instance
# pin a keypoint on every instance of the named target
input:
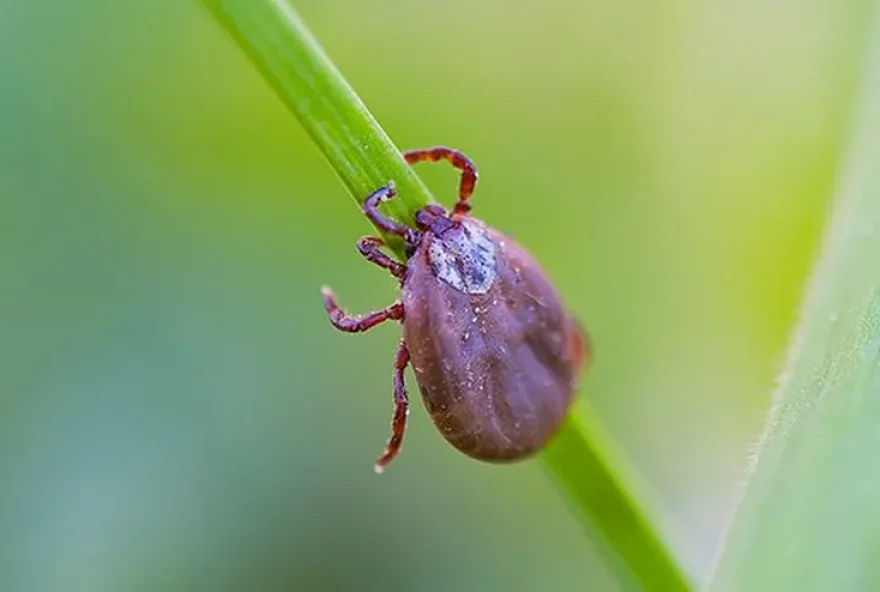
(496, 355)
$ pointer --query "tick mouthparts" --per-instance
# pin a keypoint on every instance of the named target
(378, 469)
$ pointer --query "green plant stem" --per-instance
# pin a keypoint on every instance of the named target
(364, 157)
(584, 463)
(291, 59)
(810, 515)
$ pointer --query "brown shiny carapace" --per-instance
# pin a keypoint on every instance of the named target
(496, 355)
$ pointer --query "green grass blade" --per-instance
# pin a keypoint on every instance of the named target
(290, 58)
(363, 156)
(810, 516)
(583, 462)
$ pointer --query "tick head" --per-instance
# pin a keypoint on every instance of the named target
(434, 219)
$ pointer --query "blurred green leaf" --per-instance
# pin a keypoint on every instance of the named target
(809, 518)
(364, 157)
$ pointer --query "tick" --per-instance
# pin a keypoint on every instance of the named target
(496, 355)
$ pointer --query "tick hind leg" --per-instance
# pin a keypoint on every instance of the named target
(401, 410)
(358, 323)
(468, 170)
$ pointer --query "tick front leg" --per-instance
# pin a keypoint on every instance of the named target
(401, 410)
(369, 247)
(468, 170)
(382, 222)
(357, 324)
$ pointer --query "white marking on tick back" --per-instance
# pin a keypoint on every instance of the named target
(464, 258)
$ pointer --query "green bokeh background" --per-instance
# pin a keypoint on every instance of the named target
(176, 412)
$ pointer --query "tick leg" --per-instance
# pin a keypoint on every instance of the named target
(582, 346)
(369, 247)
(357, 324)
(382, 222)
(458, 160)
(401, 410)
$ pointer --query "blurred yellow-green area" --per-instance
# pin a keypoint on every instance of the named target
(177, 414)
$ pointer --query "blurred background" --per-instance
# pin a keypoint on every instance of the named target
(177, 414)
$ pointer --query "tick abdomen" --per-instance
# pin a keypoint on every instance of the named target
(496, 367)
